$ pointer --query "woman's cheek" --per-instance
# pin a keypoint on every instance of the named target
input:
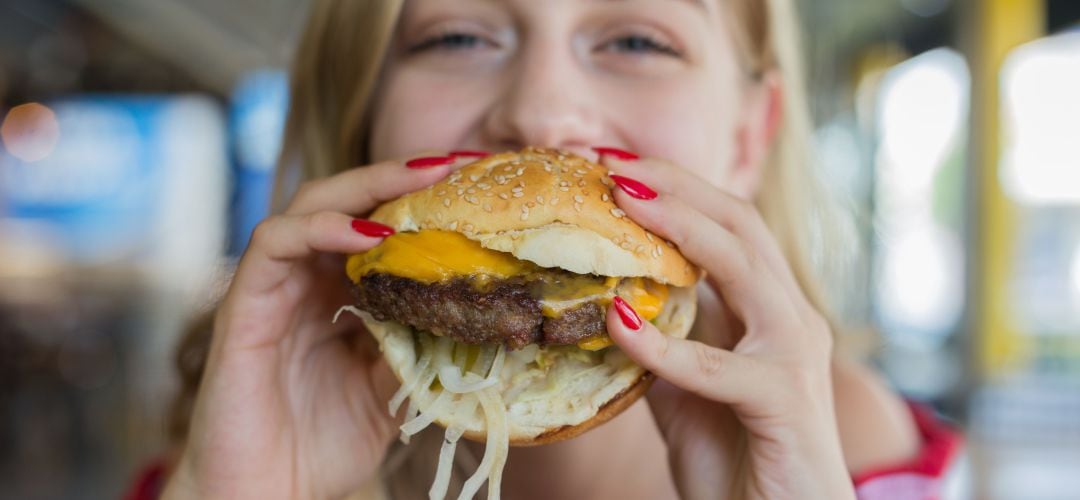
(423, 113)
(685, 126)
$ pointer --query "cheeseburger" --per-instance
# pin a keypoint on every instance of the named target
(489, 303)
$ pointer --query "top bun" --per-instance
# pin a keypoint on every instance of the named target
(546, 206)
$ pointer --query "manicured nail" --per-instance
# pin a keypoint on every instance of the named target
(618, 154)
(373, 229)
(429, 161)
(634, 187)
(629, 317)
(469, 153)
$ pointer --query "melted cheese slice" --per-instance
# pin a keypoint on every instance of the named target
(431, 256)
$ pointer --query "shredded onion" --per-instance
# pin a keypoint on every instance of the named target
(426, 417)
(421, 371)
(446, 462)
(354, 310)
(453, 381)
(498, 443)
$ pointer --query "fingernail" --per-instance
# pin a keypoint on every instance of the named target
(429, 161)
(629, 317)
(617, 153)
(634, 187)
(373, 229)
(469, 153)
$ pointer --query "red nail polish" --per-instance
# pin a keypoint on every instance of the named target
(634, 188)
(469, 153)
(429, 161)
(629, 317)
(618, 154)
(373, 229)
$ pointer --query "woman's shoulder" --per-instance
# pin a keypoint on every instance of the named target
(890, 445)
(877, 428)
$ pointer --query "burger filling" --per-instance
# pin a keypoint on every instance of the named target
(444, 283)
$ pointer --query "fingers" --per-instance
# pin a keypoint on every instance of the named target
(735, 269)
(736, 215)
(709, 372)
(279, 241)
(360, 190)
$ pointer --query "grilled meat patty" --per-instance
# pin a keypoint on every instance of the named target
(505, 312)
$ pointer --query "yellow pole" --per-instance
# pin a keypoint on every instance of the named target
(1000, 26)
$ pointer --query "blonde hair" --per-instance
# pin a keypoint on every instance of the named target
(334, 80)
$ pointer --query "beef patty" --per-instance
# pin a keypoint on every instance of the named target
(506, 311)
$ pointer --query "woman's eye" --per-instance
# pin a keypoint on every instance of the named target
(450, 41)
(638, 44)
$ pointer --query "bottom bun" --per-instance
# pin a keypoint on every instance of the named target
(549, 394)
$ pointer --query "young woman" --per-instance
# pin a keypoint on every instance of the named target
(700, 104)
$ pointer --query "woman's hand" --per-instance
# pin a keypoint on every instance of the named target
(746, 410)
(290, 405)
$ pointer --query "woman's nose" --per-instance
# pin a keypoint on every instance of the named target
(545, 100)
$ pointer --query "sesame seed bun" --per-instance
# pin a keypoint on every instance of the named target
(548, 207)
(554, 209)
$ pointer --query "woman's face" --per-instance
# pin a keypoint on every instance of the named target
(657, 77)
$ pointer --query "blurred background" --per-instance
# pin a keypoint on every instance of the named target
(139, 137)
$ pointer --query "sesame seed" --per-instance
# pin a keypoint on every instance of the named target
(577, 207)
(446, 202)
(473, 200)
(604, 197)
(579, 199)
(540, 199)
(530, 204)
(524, 215)
(656, 252)
(639, 249)
(504, 196)
(524, 208)
(564, 189)
(659, 250)
(554, 200)
(507, 168)
(649, 236)
(521, 171)
(453, 226)
(460, 191)
(617, 212)
(469, 227)
(483, 185)
(518, 194)
(625, 245)
(582, 171)
(488, 194)
(441, 192)
(517, 189)
(547, 167)
(581, 183)
(487, 207)
(565, 170)
(470, 190)
(564, 183)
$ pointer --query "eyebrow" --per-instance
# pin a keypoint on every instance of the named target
(696, 3)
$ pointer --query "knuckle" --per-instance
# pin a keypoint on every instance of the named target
(304, 192)
(263, 231)
(710, 361)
